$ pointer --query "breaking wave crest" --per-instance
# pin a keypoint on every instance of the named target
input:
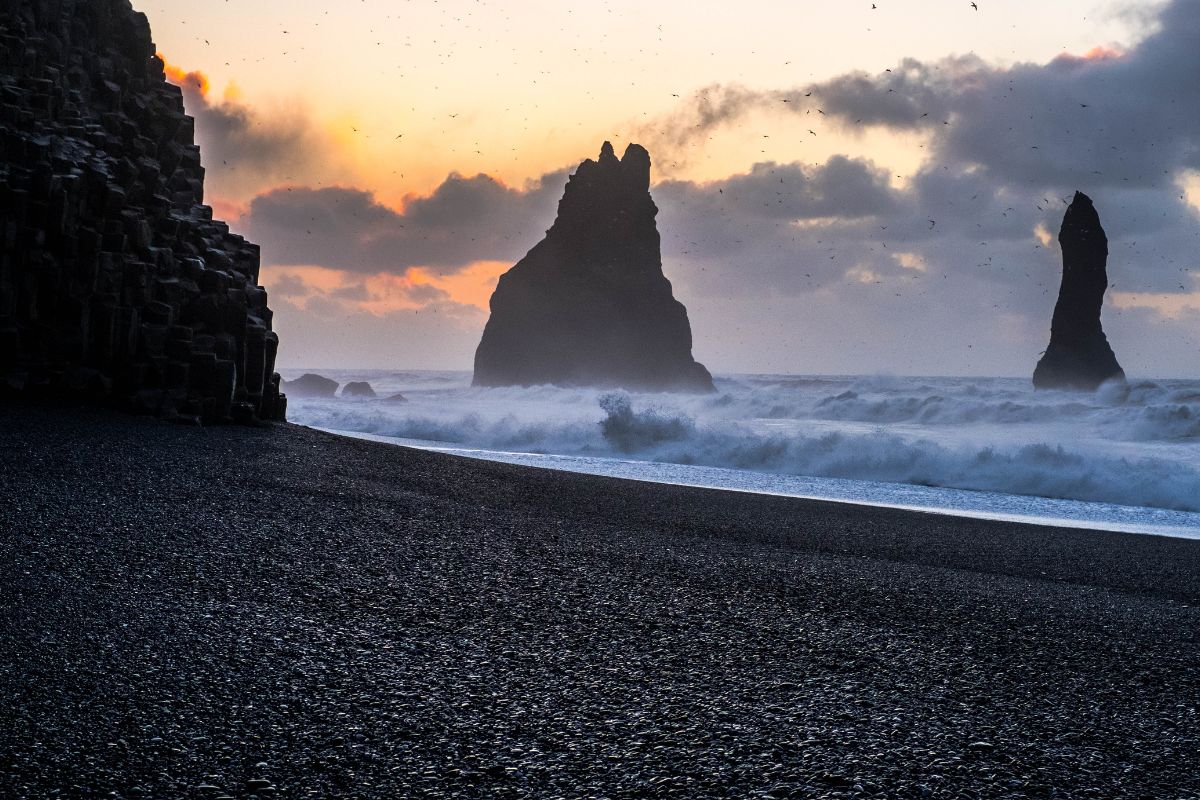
(1130, 445)
(1034, 469)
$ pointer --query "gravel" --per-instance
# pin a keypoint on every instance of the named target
(281, 612)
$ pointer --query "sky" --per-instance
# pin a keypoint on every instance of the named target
(842, 188)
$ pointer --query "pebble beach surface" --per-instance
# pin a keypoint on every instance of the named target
(280, 612)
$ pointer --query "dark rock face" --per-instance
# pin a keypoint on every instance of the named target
(311, 385)
(1079, 356)
(116, 284)
(359, 389)
(589, 304)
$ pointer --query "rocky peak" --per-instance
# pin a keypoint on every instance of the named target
(589, 304)
(1079, 356)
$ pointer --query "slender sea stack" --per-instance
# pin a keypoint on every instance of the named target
(116, 284)
(1079, 356)
(589, 304)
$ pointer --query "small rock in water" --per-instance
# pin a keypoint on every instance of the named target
(311, 385)
(358, 389)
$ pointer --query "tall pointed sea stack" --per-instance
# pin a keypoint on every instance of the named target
(589, 304)
(116, 284)
(1079, 356)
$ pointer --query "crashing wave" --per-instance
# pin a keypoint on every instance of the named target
(1131, 445)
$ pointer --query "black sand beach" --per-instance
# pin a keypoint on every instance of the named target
(282, 612)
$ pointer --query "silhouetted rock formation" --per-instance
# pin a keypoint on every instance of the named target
(358, 390)
(589, 304)
(310, 385)
(115, 282)
(1079, 356)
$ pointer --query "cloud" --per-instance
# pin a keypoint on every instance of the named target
(1006, 144)
(245, 148)
(836, 266)
(463, 221)
(289, 285)
(911, 95)
(829, 254)
(327, 332)
(1109, 119)
(329, 318)
(914, 95)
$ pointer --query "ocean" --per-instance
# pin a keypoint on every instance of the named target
(1126, 458)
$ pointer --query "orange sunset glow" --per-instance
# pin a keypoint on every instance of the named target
(381, 105)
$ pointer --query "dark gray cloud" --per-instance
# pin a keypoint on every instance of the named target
(913, 95)
(466, 219)
(909, 96)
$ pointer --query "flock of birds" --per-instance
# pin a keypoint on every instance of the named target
(931, 223)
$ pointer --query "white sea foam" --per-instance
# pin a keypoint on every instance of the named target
(1133, 445)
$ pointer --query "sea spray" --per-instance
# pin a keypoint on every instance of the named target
(1134, 445)
(632, 432)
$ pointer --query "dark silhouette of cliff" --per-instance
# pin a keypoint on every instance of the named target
(589, 304)
(116, 284)
(1079, 356)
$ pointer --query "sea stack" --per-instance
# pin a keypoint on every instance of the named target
(589, 304)
(1079, 356)
(117, 286)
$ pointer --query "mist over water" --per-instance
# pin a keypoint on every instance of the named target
(1131, 445)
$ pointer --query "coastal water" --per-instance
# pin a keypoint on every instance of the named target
(1124, 458)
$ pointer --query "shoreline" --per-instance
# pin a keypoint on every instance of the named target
(1015, 556)
(186, 608)
(515, 458)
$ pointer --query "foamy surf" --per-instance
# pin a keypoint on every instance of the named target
(1124, 459)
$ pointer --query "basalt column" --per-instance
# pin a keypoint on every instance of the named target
(116, 284)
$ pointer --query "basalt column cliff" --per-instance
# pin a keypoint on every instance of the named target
(116, 284)
(1079, 356)
(589, 304)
